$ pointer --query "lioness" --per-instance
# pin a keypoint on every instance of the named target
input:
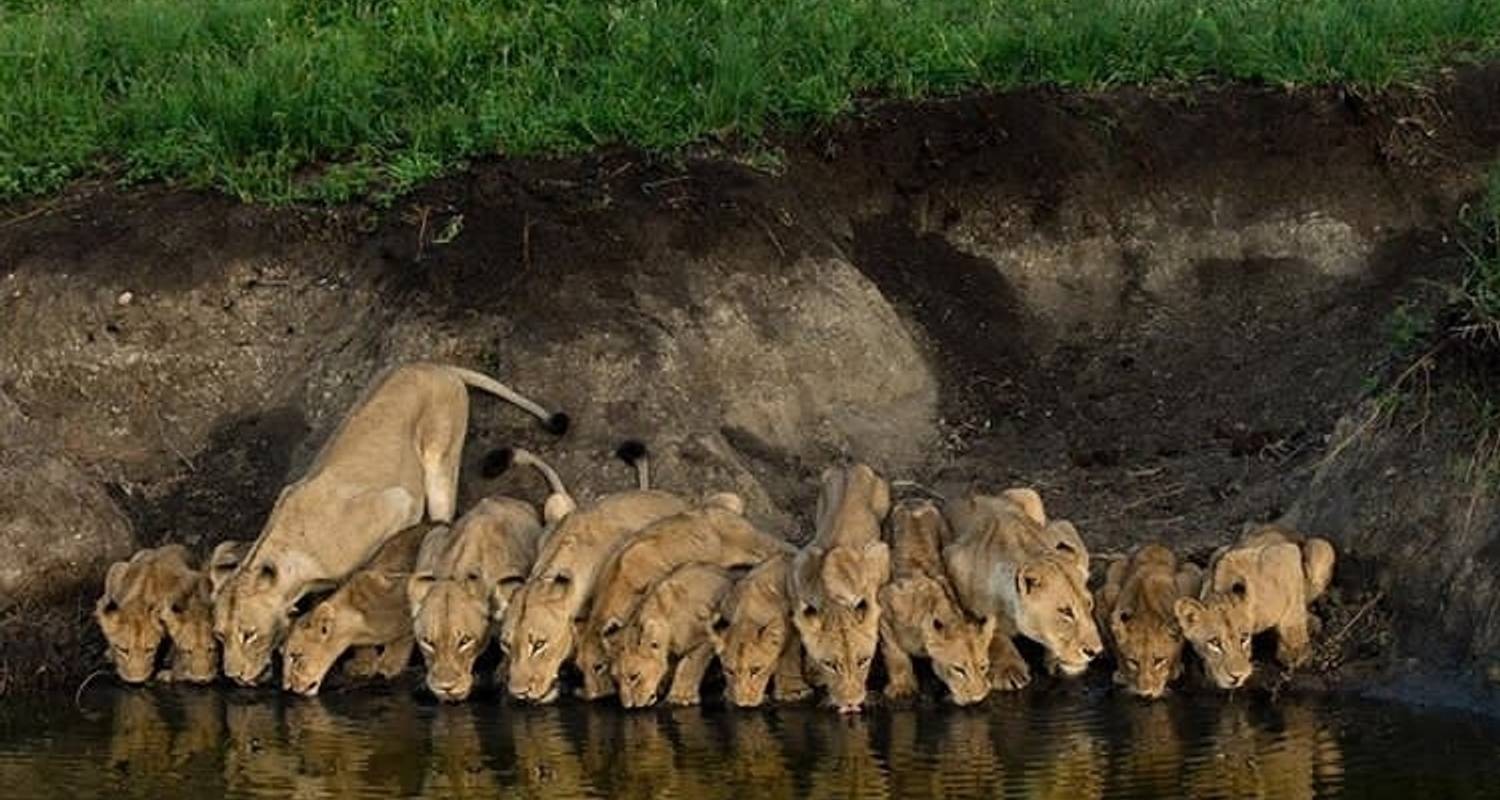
(130, 610)
(672, 623)
(394, 454)
(920, 614)
(459, 592)
(1135, 608)
(716, 532)
(537, 633)
(835, 581)
(368, 610)
(1264, 582)
(754, 638)
(1009, 563)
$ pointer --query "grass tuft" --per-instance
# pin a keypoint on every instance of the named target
(280, 100)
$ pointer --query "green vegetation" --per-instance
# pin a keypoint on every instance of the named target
(280, 99)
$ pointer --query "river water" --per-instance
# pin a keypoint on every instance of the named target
(179, 742)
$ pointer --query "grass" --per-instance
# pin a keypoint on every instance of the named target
(283, 99)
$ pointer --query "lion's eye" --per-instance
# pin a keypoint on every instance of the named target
(1215, 645)
(729, 672)
(465, 642)
(599, 668)
(830, 665)
(537, 645)
(426, 645)
(864, 661)
(1159, 662)
(249, 637)
(960, 671)
(1132, 664)
(1245, 641)
(1067, 613)
(754, 672)
(656, 645)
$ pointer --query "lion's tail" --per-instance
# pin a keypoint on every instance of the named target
(555, 422)
(633, 452)
(526, 458)
(1317, 566)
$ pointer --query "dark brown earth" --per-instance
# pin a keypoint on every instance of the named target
(1155, 306)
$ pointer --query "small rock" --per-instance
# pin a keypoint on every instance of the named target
(125, 298)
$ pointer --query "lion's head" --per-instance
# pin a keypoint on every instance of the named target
(1054, 608)
(537, 635)
(1220, 628)
(452, 621)
(640, 661)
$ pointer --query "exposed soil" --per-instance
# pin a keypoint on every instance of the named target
(1153, 305)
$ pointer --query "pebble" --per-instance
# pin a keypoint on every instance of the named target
(125, 298)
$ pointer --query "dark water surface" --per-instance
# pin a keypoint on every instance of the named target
(205, 743)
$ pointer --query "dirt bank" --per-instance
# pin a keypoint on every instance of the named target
(1153, 305)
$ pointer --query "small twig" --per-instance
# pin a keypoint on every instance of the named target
(1338, 638)
(78, 693)
(161, 430)
(772, 236)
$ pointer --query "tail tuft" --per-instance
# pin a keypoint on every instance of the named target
(496, 462)
(557, 424)
(631, 451)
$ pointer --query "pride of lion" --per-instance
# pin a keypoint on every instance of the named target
(639, 593)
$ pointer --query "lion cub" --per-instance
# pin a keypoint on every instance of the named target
(1264, 582)
(755, 641)
(1135, 609)
(465, 579)
(921, 616)
(368, 611)
(835, 582)
(672, 622)
(189, 619)
(1009, 563)
(716, 532)
(136, 592)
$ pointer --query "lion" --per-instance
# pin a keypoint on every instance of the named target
(465, 579)
(1262, 583)
(1135, 610)
(130, 611)
(1009, 563)
(754, 638)
(188, 619)
(537, 634)
(715, 532)
(835, 580)
(396, 453)
(921, 616)
(368, 610)
(671, 623)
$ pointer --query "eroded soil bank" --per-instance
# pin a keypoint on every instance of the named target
(1154, 306)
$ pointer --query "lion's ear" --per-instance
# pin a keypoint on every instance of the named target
(114, 585)
(1189, 612)
(727, 501)
(418, 586)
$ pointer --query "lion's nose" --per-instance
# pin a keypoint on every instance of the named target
(1237, 679)
(1090, 652)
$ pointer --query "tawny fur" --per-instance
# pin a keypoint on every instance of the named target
(393, 456)
(1262, 583)
(715, 532)
(1134, 609)
(754, 638)
(670, 625)
(835, 581)
(369, 610)
(1030, 576)
(920, 614)
(537, 633)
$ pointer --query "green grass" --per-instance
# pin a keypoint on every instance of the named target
(282, 99)
(1479, 295)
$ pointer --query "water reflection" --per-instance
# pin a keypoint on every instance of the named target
(181, 742)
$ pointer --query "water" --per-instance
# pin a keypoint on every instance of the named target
(174, 742)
